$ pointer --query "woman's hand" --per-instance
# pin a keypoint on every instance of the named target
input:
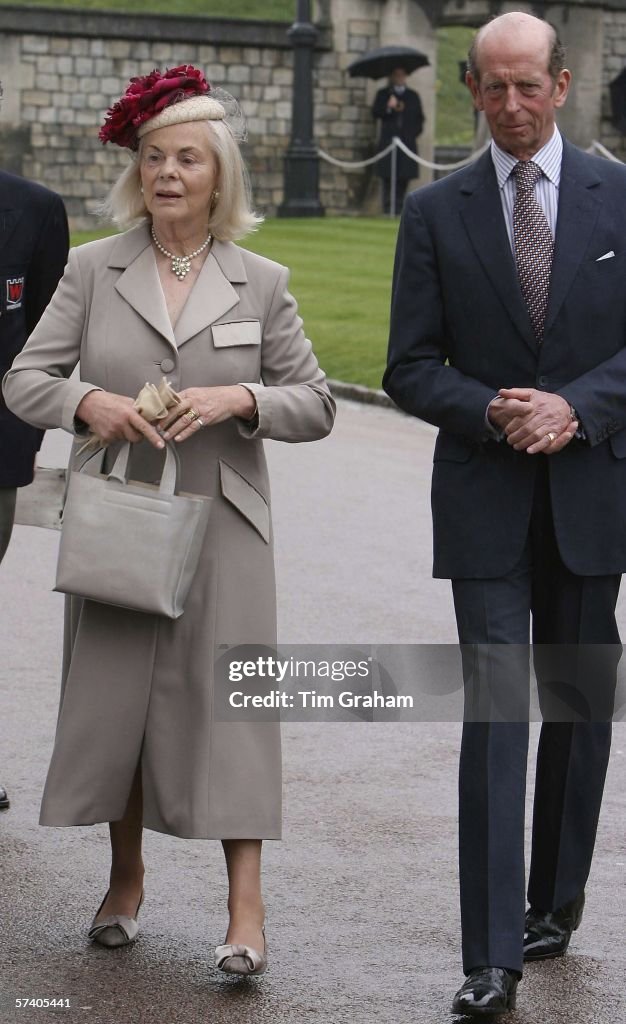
(113, 418)
(211, 405)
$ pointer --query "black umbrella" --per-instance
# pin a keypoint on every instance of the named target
(380, 63)
(618, 101)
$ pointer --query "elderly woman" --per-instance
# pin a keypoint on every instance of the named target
(137, 744)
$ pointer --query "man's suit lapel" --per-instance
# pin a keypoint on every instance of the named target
(579, 207)
(482, 214)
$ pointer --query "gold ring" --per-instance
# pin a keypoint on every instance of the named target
(190, 415)
(551, 436)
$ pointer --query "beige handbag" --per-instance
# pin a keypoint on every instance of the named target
(41, 503)
(128, 543)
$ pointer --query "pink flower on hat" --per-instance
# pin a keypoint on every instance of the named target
(145, 97)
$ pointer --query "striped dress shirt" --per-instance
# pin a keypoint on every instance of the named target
(547, 188)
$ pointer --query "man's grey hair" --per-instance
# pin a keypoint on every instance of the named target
(556, 59)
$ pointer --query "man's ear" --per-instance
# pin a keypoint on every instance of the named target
(473, 87)
(561, 87)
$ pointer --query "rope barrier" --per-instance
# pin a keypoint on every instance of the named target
(443, 167)
(356, 165)
(603, 151)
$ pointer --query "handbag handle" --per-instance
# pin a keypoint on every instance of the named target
(169, 476)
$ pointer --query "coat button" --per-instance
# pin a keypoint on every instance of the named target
(542, 382)
(167, 365)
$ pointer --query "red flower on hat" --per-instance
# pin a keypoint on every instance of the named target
(145, 97)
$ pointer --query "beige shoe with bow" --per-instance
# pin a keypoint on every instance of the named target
(116, 930)
(244, 960)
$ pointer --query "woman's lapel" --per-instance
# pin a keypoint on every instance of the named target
(213, 294)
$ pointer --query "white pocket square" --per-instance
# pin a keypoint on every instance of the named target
(607, 256)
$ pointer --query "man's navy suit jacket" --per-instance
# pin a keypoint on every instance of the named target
(460, 330)
(33, 251)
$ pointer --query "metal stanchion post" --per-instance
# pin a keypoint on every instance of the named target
(301, 160)
(394, 168)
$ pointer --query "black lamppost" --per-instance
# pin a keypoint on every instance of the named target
(301, 160)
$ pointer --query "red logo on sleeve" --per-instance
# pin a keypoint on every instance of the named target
(15, 292)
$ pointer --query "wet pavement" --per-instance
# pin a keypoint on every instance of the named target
(363, 922)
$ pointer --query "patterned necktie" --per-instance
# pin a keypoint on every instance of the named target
(534, 245)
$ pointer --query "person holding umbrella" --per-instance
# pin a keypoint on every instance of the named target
(400, 112)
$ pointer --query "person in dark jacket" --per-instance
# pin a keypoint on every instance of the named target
(400, 112)
(34, 243)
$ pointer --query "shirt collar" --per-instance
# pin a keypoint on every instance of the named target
(548, 158)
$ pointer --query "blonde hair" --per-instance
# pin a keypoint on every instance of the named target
(231, 215)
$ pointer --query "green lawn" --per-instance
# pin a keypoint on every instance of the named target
(455, 118)
(274, 10)
(341, 274)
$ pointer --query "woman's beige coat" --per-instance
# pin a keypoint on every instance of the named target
(142, 687)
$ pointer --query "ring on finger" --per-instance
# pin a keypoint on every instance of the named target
(199, 421)
(551, 436)
(190, 415)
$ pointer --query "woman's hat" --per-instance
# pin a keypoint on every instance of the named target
(158, 100)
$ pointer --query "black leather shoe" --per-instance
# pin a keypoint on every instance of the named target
(486, 992)
(547, 933)
(4, 800)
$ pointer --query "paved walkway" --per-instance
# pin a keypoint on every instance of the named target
(361, 894)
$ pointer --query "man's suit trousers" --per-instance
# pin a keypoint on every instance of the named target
(573, 754)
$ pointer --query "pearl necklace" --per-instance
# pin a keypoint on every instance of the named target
(181, 265)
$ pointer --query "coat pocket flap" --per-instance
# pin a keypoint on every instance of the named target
(238, 332)
(618, 444)
(246, 499)
(452, 448)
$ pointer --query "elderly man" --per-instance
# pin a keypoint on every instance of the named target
(34, 243)
(508, 333)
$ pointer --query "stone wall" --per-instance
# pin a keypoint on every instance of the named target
(62, 69)
(344, 126)
(63, 72)
(613, 63)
